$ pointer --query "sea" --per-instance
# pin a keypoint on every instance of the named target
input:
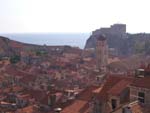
(51, 39)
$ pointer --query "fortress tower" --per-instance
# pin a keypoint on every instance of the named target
(115, 29)
(101, 53)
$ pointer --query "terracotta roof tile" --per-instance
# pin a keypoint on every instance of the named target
(111, 81)
(29, 109)
(36, 94)
(119, 87)
(76, 107)
(141, 82)
(87, 94)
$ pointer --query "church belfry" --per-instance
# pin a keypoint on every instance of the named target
(101, 53)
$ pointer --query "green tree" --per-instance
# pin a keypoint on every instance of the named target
(139, 47)
(14, 59)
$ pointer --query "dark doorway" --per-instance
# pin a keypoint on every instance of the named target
(141, 97)
(114, 103)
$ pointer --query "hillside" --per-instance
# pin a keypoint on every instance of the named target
(10, 48)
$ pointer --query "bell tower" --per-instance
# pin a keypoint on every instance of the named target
(101, 53)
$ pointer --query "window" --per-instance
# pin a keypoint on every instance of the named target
(98, 78)
(114, 103)
(141, 97)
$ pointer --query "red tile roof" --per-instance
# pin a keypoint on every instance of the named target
(111, 85)
(28, 78)
(142, 82)
(76, 107)
(107, 86)
(28, 109)
(12, 70)
(36, 94)
(119, 87)
(87, 94)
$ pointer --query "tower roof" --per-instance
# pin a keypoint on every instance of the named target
(101, 37)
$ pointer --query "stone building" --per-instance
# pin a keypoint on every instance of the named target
(124, 94)
(115, 29)
(101, 53)
(140, 90)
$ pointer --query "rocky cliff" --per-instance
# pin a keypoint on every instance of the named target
(123, 44)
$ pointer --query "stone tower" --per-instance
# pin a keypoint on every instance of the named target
(101, 53)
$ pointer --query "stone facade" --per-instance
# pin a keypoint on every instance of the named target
(116, 29)
(101, 54)
(134, 94)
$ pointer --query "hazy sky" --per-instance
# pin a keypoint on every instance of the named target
(72, 15)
